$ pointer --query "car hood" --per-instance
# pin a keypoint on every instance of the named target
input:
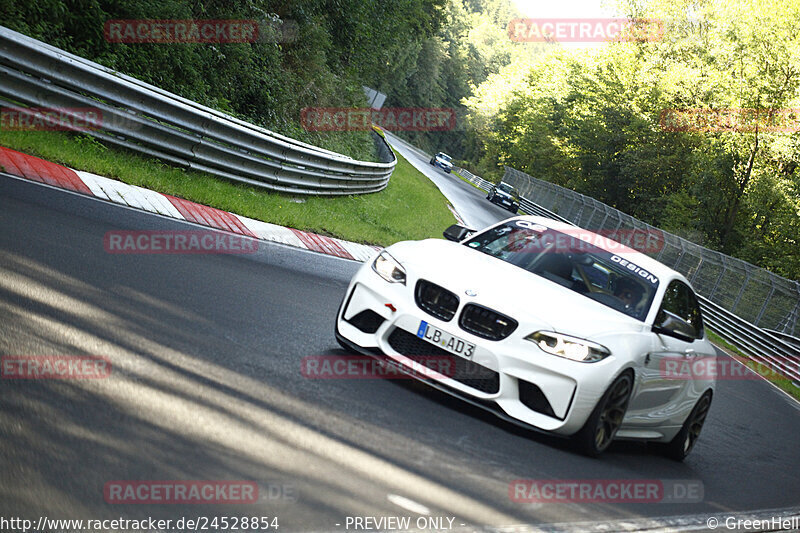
(528, 298)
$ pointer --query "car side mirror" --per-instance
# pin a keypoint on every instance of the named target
(457, 233)
(672, 326)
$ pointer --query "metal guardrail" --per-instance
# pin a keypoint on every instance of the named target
(780, 352)
(156, 123)
(763, 347)
(794, 341)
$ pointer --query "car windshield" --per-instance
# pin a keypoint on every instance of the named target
(446, 157)
(573, 263)
(506, 188)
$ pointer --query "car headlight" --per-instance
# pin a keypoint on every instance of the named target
(389, 269)
(569, 347)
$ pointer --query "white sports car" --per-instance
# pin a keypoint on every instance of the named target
(548, 326)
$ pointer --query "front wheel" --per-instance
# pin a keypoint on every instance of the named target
(679, 447)
(596, 435)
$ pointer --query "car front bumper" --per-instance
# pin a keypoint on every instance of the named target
(511, 205)
(511, 377)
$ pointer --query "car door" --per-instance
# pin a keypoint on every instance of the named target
(674, 371)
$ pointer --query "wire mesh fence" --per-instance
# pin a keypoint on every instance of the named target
(752, 293)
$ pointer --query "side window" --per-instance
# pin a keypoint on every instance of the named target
(680, 302)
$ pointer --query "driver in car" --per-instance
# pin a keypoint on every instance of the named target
(629, 292)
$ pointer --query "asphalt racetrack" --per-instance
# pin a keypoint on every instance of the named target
(206, 352)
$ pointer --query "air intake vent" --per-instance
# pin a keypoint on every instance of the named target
(533, 398)
(367, 321)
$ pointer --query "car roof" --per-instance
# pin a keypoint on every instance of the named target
(662, 271)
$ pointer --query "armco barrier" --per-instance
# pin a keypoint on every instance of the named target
(156, 123)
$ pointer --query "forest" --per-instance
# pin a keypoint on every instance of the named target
(596, 119)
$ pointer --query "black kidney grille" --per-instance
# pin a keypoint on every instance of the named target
(435, 300)
(463, 370)
(485, 323)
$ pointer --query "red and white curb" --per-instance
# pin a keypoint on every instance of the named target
(35, 169)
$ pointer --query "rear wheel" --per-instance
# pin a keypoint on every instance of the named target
(598, 432)
(679, 447)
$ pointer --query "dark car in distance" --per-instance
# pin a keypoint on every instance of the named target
(505, 196)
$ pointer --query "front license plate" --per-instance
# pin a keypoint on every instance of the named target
(444, 340)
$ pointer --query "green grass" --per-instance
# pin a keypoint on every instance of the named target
(411, 207)
(781, 382)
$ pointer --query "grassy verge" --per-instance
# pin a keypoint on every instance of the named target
(411, 207)
(780, 381)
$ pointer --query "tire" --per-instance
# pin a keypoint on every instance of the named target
(431, 161)
(598, 432)
(515, 211)
(489, 196)
(679, 447)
